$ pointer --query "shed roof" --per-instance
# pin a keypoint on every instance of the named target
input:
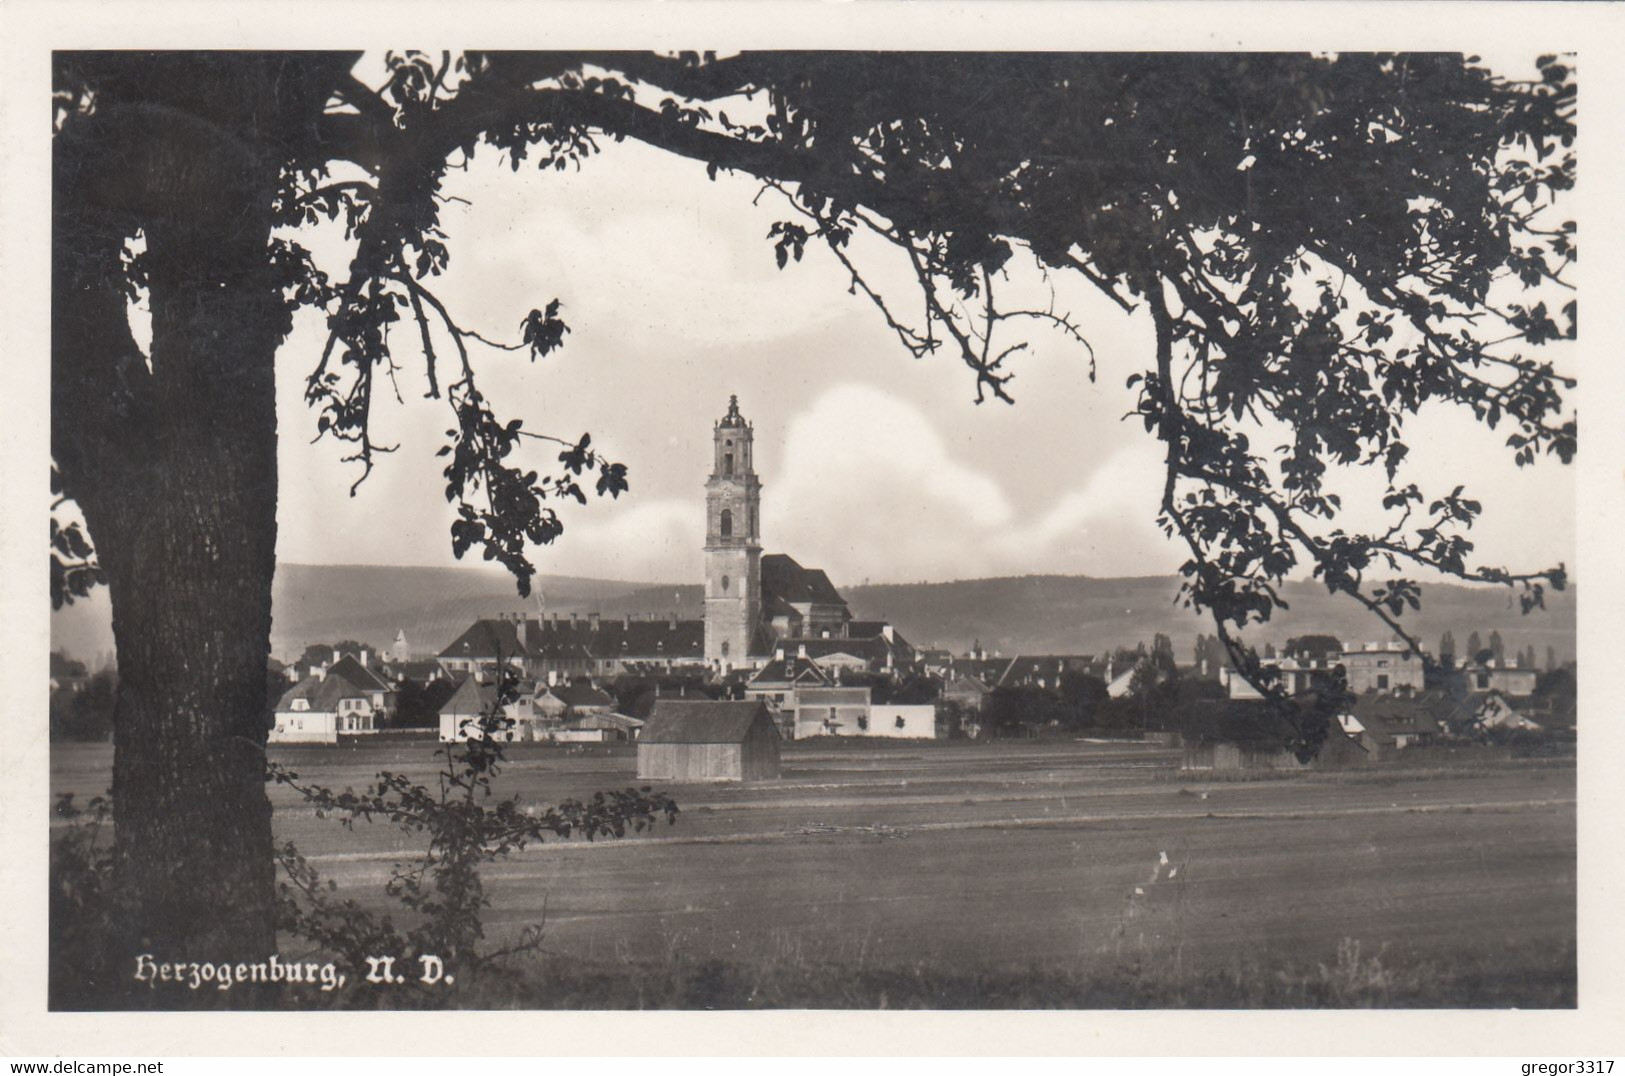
(681, 721)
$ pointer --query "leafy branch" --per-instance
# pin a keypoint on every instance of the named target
(467, 827)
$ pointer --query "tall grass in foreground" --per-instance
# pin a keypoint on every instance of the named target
(1143, 963)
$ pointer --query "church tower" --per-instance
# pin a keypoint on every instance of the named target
(733, 542)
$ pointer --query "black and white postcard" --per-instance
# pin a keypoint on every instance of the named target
(811, 510)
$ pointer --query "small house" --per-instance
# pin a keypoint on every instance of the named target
(1387, 724)
(708, 741)
(599, 728)
(1495, 710)
(318, 709)
(462, 715)
(573, 700)
(967, 691)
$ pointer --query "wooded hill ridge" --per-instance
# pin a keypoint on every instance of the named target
(1034, 614)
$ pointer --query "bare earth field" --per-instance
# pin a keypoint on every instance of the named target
(1020, 859)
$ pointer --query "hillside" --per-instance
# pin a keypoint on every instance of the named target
(1029, 614)
(1078, 614)
(325, 603)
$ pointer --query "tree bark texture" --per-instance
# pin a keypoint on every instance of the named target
(172, 458)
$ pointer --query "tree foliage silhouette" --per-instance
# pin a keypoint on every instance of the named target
(1323, 246)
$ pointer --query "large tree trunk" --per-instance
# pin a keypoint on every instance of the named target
(188, 541)
(174, 465)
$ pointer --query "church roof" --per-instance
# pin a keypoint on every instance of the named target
(783, 578)
(774, 605)
(733, 419)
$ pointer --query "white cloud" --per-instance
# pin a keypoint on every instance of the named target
(868, 489)
(656, 541)
(1106, 526)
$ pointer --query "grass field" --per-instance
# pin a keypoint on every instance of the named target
(962, 867)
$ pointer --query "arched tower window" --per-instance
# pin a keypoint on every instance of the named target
(725, 584)
(724, 648)
(726, 524)
(728, 464)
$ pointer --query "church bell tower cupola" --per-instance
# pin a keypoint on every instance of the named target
(733, 546)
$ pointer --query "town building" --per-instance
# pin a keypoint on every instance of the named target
(1044, 671)
(832, 711)
(318, 709)
(599, 728)
(464, 715)
(1295, 676)
(776, 682)
(1499, 710)
(565, 647)
(557, 701)
(967, 691)
(1499, 675)
(1387, 666)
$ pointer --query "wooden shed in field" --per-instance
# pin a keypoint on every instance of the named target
(708, 741)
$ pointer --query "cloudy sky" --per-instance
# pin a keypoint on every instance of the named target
(875, 466)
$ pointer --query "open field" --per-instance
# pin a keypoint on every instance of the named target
(1021, 859)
